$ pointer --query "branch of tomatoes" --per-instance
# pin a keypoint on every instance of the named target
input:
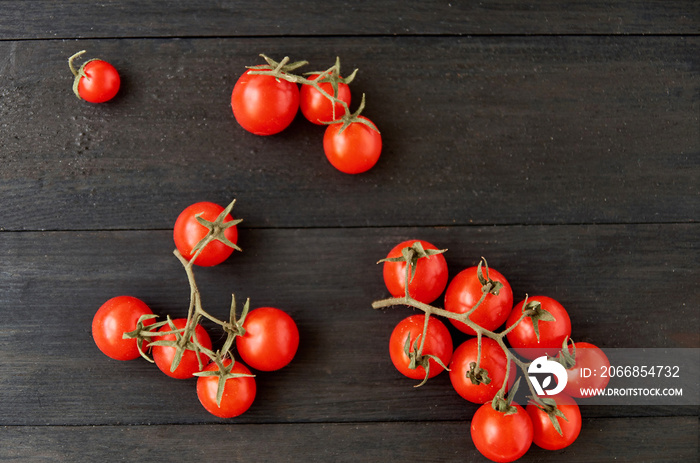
(267, 97)
(266, 338)
(482, 370)
(477, 374)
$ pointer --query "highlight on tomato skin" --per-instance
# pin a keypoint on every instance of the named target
(263, 104)
(99, 83)
(354, 150)
(270, 341)
(115, 317)
(499, 436)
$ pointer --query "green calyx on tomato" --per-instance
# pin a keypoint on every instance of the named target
(505, 404)
(217, 229)
(420, 360)
(549, 406)
(179, 355)
(278, 70)
(556, 422)
(420, 264)
(354, 118)
(205, 233)
(411, 254)
(488, 285)
(225, 369)
(536, 313)
(477, 375)
(420, 346)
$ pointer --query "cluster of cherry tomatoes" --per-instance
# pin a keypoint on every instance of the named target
(266, 338)
(267, 97)
(538, 326)
(265, 101)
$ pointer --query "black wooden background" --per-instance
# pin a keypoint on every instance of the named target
(560, 140)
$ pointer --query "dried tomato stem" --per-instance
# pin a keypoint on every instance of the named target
(73, 58)
(425, 335)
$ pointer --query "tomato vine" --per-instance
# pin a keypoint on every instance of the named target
(411, 255)
(266, 98)
(171, 341)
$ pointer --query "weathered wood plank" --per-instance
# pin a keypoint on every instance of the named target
(601, 440)
(71, 19)
(621, 289)
(476, 130)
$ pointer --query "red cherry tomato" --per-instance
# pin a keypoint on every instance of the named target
(464, 291)
(500, 437)
(187, 232)
(580, 378)
(163, 355)
(354, 150)
(493, 360)
(98, 81)
(545, 435)
(270, 341)
(263, 104)
(429, 280)
(552, 333)
(316, 107)
(239, 393)
(115, 317)
(438, 342)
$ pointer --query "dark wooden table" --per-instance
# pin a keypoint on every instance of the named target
(560, 140)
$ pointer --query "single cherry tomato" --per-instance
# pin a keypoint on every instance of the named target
(355, 149)
(164, 355)
(545, 434)
(430, 276)
(115, 317)
(238, 396)
(587, 376)
(187, 232)
(464, 291)
(96, 81)
(317, 107)
(270, 341)
(264, 104)
(552, 333)
(493, 360)
(500, 437)
(438, 343)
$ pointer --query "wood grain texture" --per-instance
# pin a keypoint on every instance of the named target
(46, 19)
(601, 440)
(532, 130)
(611, 279)
(558, 139)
